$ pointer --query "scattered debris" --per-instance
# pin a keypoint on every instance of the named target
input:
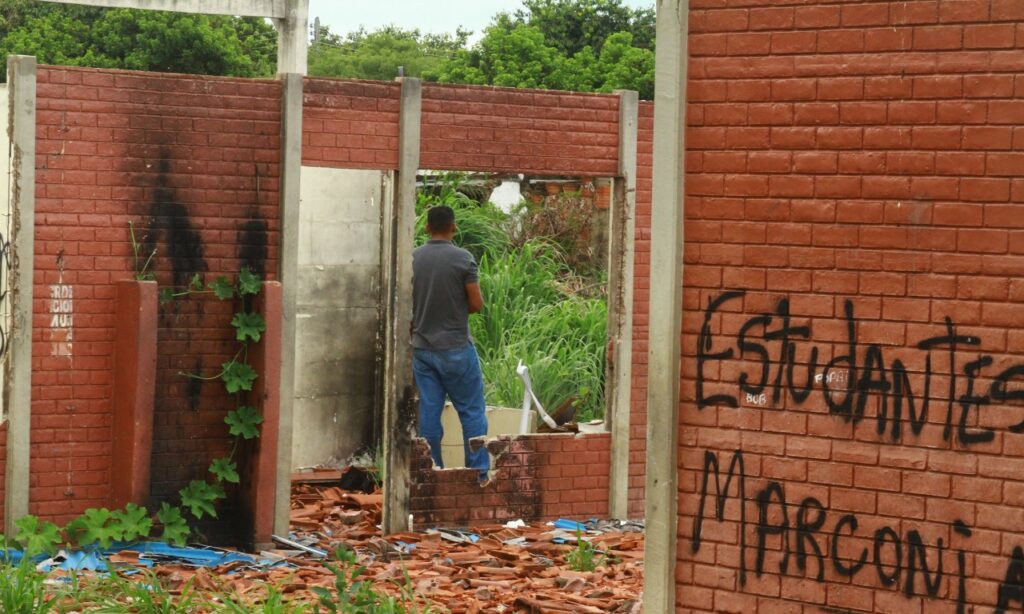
(515, 567)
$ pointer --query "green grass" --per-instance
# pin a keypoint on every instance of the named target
(537, 308)
(22, 590)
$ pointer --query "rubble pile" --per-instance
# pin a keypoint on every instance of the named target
(497, 568)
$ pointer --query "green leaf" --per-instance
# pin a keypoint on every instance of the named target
(225, 470)
(95, 526)
(166, 296)
(199, 497)
(223, 288)
(248, 282)
(248, 326)
(244, 422)
(196, 285)
(133, 522)
(175, 528)
(37, 537)
(237, 376)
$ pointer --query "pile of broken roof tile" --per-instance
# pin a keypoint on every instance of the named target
(496, 568)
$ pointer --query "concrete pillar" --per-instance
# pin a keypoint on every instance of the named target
(291, 172)
(293, 38)
(670, 74)
(620, 298)
(399, 394)
(21, 128)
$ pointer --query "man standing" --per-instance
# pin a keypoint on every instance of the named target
(445, 290)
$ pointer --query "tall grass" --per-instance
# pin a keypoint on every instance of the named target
(531, 312)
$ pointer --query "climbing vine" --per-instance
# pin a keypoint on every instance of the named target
(237, 376)
(101, 526)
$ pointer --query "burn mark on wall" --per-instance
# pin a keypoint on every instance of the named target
(171, 226)
(252, 244)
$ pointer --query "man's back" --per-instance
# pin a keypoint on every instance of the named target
(440, 309)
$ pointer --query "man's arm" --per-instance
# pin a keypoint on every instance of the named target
(474, 300)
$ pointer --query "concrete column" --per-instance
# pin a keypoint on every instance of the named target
(620, 296)
(670, 74)
(399, 393)
(21, 128)
(291, 172)
(293, 38)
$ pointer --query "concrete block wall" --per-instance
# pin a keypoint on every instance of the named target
(854, 199)
(194, 162)
(534, 478)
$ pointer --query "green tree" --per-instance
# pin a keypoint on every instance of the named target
(571, 25)
(139, 40)
(378, 54)
(576, 45)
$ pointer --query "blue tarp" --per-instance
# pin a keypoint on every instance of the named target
(94, 558)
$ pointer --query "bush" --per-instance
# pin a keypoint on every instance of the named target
(537, 307)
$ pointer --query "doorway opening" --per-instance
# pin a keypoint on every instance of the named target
(546, 267)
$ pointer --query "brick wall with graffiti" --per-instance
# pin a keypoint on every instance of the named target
(852, 419)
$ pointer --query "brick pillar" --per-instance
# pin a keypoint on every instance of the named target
(134, 391)
(258, 458)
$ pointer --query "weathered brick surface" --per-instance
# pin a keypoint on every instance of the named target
(853, 177)
(535, 477)
(193, 161)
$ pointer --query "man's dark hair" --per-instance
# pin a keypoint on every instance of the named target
(440, 218)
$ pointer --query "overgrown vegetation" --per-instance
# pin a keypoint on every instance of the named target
(542, 305)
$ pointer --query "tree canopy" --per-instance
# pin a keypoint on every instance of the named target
(138, 40)
(378, 54)
(581, 45)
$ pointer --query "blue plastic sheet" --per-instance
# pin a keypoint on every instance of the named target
(94, 558)
(569, 525)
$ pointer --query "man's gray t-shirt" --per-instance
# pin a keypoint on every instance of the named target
(440, 272)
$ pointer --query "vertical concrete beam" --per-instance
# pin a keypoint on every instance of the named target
(21, 127)
(291, 172)
(670, 74)
(399, 394)
(620, 314)
(293, 38)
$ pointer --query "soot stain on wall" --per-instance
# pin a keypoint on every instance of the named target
(252, 244)
(170, 224)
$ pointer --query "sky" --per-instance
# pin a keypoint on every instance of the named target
(428, 15)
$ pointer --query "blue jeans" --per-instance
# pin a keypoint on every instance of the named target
(455, 373)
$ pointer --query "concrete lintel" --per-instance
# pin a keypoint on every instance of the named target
(21, 127)
(620, 314)
(667, 215)
(276, 9)
(293, 38)
(291, 174)
(399, 394)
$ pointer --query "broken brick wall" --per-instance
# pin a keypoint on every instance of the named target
(194, 162)
(354, 124)
(533, 478)
(853, 310)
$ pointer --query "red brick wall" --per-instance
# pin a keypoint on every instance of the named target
(641, 311)
(350, 124)
(194, 162)
(535, 477)
(354, 124)
(859, 166)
